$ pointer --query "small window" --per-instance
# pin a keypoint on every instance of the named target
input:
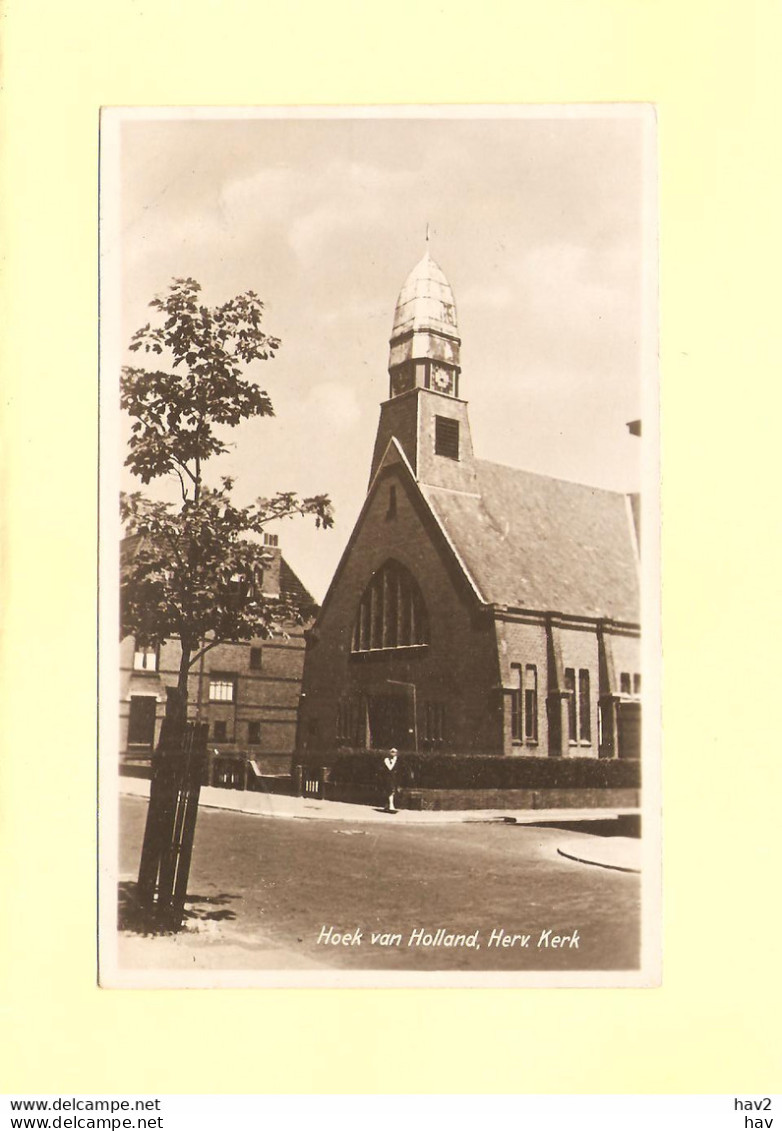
(253, 732)
(584, 707)
(434, 724)
(636, 684)
(256, 659)
(222, 688)
(515, 703)
(271, 539)
(579, 708)
(624, 683)
(239, 589)
(345, 721)
(446, 437)
(145, 659)
(531, 703)
(220, 731)
(570, 687)
(391, 512)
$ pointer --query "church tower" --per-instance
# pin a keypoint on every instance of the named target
(424, 411)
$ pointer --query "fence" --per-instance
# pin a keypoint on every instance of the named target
(177, 772)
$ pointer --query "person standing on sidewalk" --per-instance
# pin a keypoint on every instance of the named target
(390, 762)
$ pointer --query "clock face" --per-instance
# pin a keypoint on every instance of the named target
(442, 378)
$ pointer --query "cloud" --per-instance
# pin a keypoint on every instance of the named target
(577, 289)
(345, 195)
(266, 195)
(333, 406)
(497, 296)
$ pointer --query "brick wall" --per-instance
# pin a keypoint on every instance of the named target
(267, 696)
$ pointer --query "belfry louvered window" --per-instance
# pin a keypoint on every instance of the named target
(391, 613)
(446, 437)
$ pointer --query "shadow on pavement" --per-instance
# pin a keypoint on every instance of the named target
(137, 920)
(628, 824)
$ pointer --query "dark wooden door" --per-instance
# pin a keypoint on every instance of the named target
(141, 723)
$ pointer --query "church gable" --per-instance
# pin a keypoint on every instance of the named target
(400, 622)
(397, 522)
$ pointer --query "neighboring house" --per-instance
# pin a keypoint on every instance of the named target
(247, 693)
(477, 609)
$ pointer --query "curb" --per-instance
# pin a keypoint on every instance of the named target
(570, 855)
(359, 814)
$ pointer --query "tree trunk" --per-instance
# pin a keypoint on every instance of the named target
(184, 671)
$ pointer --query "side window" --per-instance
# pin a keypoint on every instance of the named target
(570, 686)
(434, 724)
(515, 703)
(531, 703)
(222, 687)
(391, 512)
(145, 658)
(584, 707)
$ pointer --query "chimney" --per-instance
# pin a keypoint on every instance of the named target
(271, 571)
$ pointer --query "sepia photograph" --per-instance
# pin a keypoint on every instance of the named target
(379, 547)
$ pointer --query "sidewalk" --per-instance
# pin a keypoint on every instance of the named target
(619, 852)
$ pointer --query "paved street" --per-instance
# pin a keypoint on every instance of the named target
(263, 889)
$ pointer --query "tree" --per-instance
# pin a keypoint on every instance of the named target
(194, 570)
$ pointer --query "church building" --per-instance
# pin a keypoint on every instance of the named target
(477, 609)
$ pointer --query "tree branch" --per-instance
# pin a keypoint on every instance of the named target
(207, 648)
(181, 483)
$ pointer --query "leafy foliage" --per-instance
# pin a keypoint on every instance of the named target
(195, 571)
(177, 411)
(195, 574)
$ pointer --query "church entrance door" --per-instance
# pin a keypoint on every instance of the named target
(389, 722)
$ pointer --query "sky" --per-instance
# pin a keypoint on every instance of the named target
(539, 223)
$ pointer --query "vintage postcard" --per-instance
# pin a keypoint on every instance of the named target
(380, 527)
(542, 222)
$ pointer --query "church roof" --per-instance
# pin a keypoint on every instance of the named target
(426, 301)
(530, 541)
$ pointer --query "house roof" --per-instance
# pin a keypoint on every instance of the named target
(530, 541)
(292, 586)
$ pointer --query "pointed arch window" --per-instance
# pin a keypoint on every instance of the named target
(391, 613)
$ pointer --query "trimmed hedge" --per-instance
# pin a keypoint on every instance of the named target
(135, 770)
(481, 771)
